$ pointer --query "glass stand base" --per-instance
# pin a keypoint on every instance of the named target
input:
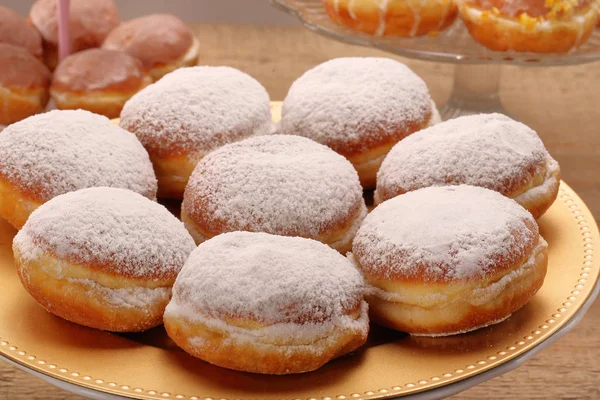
(475, 91)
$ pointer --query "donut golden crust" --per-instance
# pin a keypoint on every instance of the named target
(280, 184)
(487, 150)
(97, 80)
(79, 149)
(397, 18)
(309, 308)
(463, 258)
(178, 127)
(24, 83)
(15, 30)
(161, 41)
(83, 257)
(558, 33)
(359, 107)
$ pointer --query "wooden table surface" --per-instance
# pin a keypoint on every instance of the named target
(561, 103)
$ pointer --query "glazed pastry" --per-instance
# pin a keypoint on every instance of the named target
(279, 184)
(360, 107)
(102, 257)
(57, 152)
(97, 80)
(448, 260)
(404, 18)
(15, 30)
(191, 112)
(488, 150)
(539, 26)
(267, 304)
(162, 42)
(24, 82)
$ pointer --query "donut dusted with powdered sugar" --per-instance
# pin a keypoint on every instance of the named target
(447, 260)
(280, 184)
(102, 257)
(267, 304)
(57, 152)
(360, 107)
(189, 113)
(487, 150)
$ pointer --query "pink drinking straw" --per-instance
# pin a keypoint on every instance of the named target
(64, 43)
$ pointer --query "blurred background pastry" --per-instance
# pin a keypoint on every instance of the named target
(97, 80)
(161, 41)
(24, 83)
(15, 30)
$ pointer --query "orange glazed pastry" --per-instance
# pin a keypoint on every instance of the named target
(404, 18)
(538, 26)
(102, 257)
(448, 260)
(267, 304)
(161, 41)
(15, 30)
(24, 82)
(97, 80)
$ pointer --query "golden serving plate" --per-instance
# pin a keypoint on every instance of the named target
(149, 366)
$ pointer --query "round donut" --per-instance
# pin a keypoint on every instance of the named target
(448, 260)
(403, 18)
(267, 304)
(191, 112)
(90, 21)
(57, 152)
(278, 184)
(360, 107)
(97, 80)
(102, 257)
(162, 42)
(538, 26)
(487, 150)
(15, 30)
(24, 83)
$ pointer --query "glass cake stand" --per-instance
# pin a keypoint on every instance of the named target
(478, 69)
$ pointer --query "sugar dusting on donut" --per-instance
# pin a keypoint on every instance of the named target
(115, 230)
(356, 101)
(197, 109)
(488, 150)
(269, 279)
(61, 151)
(444, 233)
(280, 184)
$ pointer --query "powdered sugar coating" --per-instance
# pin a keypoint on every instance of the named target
(355, 104)
(280, 184)
(114, 230)
(443, 234)
(267, 278)
(195, 110)
(487, 150)
(61, 151)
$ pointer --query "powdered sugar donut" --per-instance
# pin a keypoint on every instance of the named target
(162, 42)
(279, 184)
(447, 260)
(488, 150)
(191, 112)
(102, 257)
(267, 304)
(57, 152)
(360, 107)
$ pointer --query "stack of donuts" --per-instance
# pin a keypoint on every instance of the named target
(539, 26)
(109, 62)
(275, 264)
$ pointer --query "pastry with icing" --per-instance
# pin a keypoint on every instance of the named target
(279, 184)
(447, 260)
(487, 150)
(267, 304)
(105, 258)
